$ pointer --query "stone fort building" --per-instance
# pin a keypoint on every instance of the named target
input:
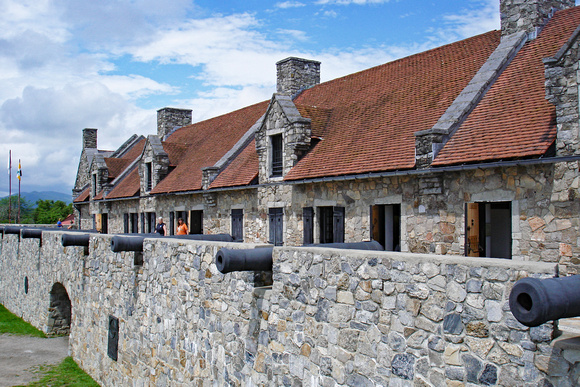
(469, 149)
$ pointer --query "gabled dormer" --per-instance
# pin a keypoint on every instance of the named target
(99, 175)
(154, 164)
(282, 139)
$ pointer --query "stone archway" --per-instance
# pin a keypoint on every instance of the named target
(59, 311)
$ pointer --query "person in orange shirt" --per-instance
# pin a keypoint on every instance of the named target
(181, 227)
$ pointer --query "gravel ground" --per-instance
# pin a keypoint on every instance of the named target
(20, 356)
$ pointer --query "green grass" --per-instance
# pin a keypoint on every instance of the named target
(65, 374)
(9, 323)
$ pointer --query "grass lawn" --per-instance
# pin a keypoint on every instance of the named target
(10, 323)
(65, 374)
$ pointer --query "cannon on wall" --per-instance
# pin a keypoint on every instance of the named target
(77, 239)
(35, 233)
(12, 230)
(258, 259)
(134, 242)
(533, 301)
(206, 237)
(369, 245)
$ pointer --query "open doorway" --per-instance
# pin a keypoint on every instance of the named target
(488, 230)
(386, 226)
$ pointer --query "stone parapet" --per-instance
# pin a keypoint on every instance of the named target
(331, 317)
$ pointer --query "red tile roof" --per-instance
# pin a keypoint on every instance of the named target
(128, 187)
(376, 112)
(116, 166)
(208, 141)
(83, 196)
(514, 119)
(241, 171)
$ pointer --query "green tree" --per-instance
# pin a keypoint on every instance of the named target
(49, 211)
(25, 210)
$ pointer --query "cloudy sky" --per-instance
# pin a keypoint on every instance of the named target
(110, 64)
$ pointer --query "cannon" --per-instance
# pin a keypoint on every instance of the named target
(12, 230)
(533, 301)
(259, 259)
(206, 237)
(130, 242)
(75, 239)
(35, 233)
(369, 245)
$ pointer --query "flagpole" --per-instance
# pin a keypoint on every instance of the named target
(9, 184)
(19, 175)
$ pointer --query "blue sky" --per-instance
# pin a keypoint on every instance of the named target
(70, 64)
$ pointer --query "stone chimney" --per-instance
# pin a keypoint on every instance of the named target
(169, 119)
(528, 15)
(296, 74)
(89, 138)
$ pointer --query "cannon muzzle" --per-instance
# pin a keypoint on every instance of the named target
(35, 233)
(534, 301)
(75, 240)
(259, 259)
(370, 245)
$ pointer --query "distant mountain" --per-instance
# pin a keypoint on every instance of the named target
(33, 196)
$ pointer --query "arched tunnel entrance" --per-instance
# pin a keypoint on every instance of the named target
(59, 311)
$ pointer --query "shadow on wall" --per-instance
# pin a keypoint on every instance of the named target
(59, 312)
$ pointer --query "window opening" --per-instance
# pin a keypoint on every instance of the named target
(148, 177)
(134, 223)
(331, 224)
(277, 164)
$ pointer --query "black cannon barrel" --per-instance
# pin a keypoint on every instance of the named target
(75, 239)
(534, 301)
(259, 259)
(12, 230)
(369, 245)
(32, 233)
(128, 242)
(206, 237)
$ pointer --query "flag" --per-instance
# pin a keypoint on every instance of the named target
(19, 173)
(9, 161)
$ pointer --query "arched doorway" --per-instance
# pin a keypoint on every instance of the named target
(59, 312)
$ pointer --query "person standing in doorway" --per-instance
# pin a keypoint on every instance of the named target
(181, 227)
(160, 227)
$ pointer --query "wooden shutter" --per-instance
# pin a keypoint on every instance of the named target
(126, 223)
(472, 230)
(172, 223)
(338, 224)
(307, 225)
(238, 225)
(276, 220)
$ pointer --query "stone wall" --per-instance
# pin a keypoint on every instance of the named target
(331, 317)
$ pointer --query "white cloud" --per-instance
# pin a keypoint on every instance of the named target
(468, 23)
(290, 4)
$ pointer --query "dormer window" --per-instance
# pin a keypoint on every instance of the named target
(94, 187)
(277, 164)
(148, 177)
